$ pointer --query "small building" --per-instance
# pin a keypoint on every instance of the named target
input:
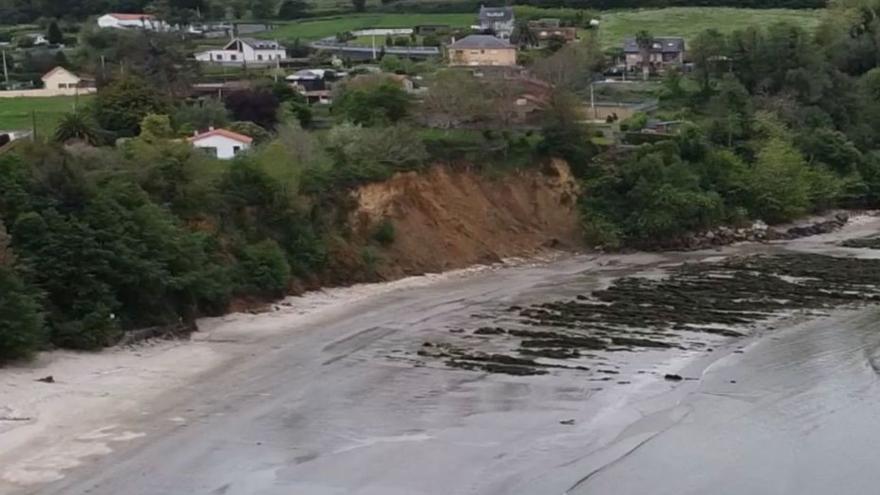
(545, 30)
(498, 20)
(148, 22)
(221, 143)
(665, 52)
(481, 50)
(432, 29)
(311, 79)
(245, 51)
(60, 79)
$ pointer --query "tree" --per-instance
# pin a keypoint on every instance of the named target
(359, 5)
(263, 9)
(645, 42)
(259, 105)
(709, 54)
(564, 134)
(372, 100)
(201, 115)
(293, 9)
(21, 318)
(78, 126)
(522, 35)
(120, 106)
(54, 34)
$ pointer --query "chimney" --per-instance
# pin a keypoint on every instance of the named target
(210, 128)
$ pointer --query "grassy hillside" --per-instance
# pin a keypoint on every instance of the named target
(15, 113)
(681, 21)
(689, 21)
(328, 26)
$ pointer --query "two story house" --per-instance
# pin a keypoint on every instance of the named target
(664, 52)
(498, 20)
(481, 50)
(241, 51)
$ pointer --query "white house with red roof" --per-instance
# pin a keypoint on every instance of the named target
(222, 143)
(148, 22)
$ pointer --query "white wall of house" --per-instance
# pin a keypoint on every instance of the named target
(247, 54)
(222, 147)
(61, 79)
(151, 24)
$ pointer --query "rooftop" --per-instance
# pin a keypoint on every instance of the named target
(481, 42)
(663, 44)
(496, 14)
(224, 133)
(132, 17)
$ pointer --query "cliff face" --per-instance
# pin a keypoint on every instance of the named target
(445, 219)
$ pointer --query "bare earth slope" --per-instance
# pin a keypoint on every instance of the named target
(448, 219)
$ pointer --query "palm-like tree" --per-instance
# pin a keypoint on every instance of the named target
(78, 126)
(523, 35)
(645, 42)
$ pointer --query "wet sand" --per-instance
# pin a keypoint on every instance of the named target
(329, 395)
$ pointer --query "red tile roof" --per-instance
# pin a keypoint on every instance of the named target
(132, 17)
(225, 133)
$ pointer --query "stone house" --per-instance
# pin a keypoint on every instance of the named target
(481, 50)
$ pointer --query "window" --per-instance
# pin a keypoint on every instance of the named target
(219, 56)
(236, 149)
(259, 57)
(233, 57)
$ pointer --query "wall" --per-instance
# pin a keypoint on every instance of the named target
(46, 93)
(223, 145)
(483, 57)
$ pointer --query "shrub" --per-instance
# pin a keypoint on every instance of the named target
(263, 269)
(384, 233)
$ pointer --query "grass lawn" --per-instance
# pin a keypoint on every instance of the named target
(15, 113)
(690, 21)
(312, 29)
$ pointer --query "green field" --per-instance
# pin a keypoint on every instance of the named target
(616, 25)
(690, 21)
(313, 29)
(16, 113)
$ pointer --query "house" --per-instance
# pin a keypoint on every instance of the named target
(148, 22)
(245, 51)
(311, 79)
(58, 82)
(481, 50)
(545, 30)
(60, 79)
(222, 143)
(498, 20)
(664, 52)
(37, 39)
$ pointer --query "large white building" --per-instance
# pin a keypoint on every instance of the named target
(222, 143)
(242, 51)
(133, 21)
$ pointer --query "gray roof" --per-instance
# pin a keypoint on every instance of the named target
(496, 14)
(260, 44)
(662, 44)
(480, 42)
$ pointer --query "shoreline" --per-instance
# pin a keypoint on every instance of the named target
(114, 388)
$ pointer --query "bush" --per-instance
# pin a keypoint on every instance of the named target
(21, 319)
(263, 269)
(384, 233)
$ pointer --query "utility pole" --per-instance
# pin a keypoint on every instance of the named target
(5, 70)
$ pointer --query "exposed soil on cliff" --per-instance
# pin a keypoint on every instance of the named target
(445, 219)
